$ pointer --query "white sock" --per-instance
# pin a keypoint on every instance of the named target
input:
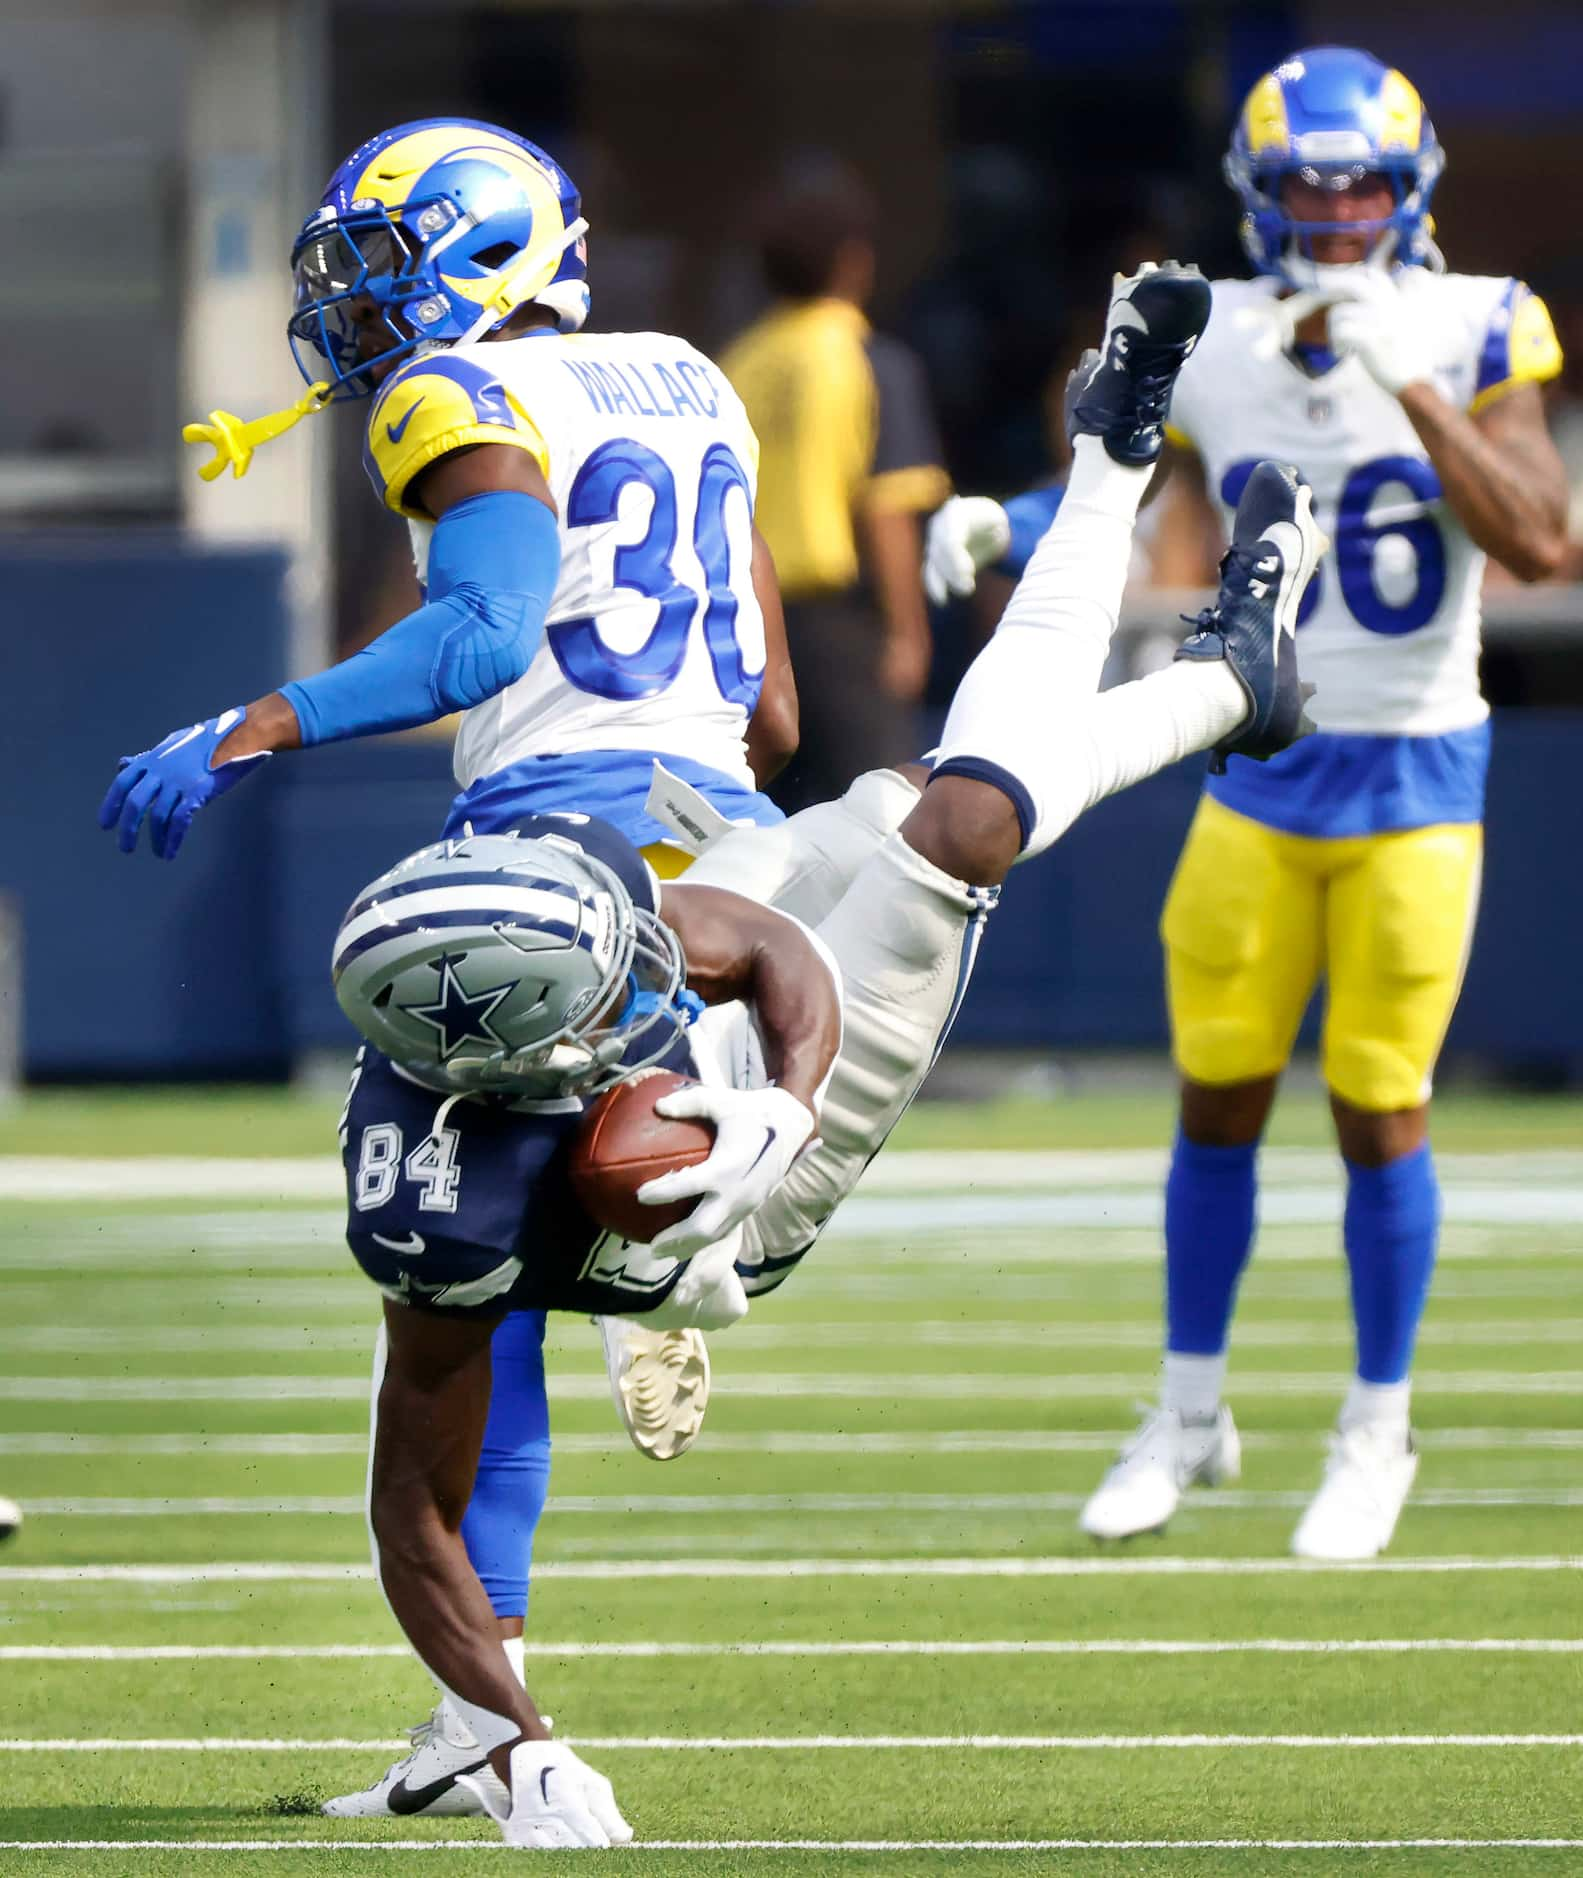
(1072, 584)
(1192, 1385)
(1132, 732)
(1027, 716)
(1381, 1407)
(1057, 763)
(513, 1649)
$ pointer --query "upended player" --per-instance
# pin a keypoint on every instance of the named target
(1409, 397)
(597, 602)
(576, 958)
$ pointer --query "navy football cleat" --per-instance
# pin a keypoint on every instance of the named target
(1122, 393)
(1275, 547)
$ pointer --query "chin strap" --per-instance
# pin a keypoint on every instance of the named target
(235, 440)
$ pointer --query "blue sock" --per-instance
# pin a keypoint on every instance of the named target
(1392, 1224)
(514, 1467)
(1209, 1215)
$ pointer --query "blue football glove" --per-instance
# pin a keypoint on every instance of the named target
(170, 783)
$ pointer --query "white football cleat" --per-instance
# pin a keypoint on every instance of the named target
(1355, 1511)
(430, 1780)
(1161, 1461)
(556, 1801)
(659, 1382)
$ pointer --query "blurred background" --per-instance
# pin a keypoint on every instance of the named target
(156, 157)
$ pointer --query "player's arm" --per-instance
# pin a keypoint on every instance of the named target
(1501, 472)
(449, 448)
(737, 949)
(773, 728)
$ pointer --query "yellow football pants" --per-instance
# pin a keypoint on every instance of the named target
(1255, 917)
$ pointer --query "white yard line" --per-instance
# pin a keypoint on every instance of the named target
(753, 1744)
(840, 1385)
(717, 1505)
(1016, 1566)
(751, 1337)
(318, 1176)
(1035, 1646)
(277, 1238)
(777, 1441)
(802, 1845)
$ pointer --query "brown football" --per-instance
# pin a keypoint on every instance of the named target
(622, 1143)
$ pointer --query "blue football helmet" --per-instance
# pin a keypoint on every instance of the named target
(516, 965)
(1333, 115)
(441, 230)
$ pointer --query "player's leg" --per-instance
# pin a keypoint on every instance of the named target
(1399, 924)
(1004, 787)
(1243, 930)
(497, 1530)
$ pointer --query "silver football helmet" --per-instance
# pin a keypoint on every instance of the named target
(497, 963)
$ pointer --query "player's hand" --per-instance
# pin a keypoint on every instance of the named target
(758, 1134)
(966, 534)
(557, 1801)
(1375, 323)
(166, 786)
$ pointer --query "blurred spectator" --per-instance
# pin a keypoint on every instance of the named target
(850, 460)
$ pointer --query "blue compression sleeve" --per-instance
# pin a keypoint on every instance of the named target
(1030, 515)
(493, 562)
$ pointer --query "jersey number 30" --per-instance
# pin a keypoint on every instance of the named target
(644, 567)
(1357, 539)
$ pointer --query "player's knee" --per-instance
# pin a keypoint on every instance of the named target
(1375, 1074)
(969, 829)
(1224, 1050)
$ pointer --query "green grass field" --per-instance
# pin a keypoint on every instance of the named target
(857, 1622)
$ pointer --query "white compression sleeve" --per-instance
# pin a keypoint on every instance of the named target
(1131, 732)
(1007, 722)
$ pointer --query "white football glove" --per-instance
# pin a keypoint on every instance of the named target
(557, 1801)
(965, 534)
(758, 1134)
(1373, 321)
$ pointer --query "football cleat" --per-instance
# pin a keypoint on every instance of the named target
(428, 1781)
(556, 1801)
(1122, 393)
(1355, 1511)
(659, 1382)
(1163, 1459)
(1275, 547)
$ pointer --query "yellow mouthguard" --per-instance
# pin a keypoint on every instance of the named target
(235, 441)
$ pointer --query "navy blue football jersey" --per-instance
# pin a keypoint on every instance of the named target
(478, 1214)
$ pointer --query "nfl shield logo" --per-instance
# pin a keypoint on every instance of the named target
(1320, 410)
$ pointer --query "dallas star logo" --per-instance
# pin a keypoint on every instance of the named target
(459, 1015)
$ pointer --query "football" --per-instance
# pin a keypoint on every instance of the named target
(623, 1143)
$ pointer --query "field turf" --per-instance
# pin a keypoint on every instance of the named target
(858, 1622)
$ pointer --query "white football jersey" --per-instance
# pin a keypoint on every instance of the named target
(654, 638)
(1390, 627)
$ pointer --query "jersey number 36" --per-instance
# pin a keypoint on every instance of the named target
(1359, 537)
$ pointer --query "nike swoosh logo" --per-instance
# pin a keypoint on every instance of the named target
(407, 1248)
(395, 432)
(404, 1800)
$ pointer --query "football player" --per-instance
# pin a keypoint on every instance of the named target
(1410, 398)
(597, 605)
(502, 981)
